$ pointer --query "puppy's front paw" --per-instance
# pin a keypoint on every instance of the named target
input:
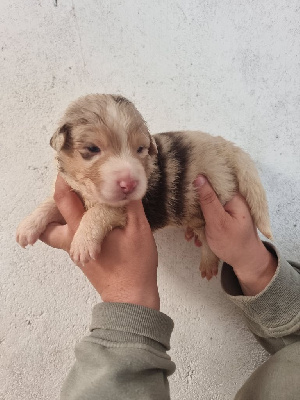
(28, 232)
(84, 249)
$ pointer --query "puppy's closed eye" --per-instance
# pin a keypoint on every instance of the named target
(142, 151)
(94, 149)
(89, 152)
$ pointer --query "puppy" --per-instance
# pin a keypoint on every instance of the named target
(106, 154)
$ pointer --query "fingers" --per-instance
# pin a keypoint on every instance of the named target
(68, 203)
(135, 213)
(237, 206)
(210, 205)
(54, 236)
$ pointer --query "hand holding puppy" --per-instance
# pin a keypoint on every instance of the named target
(232, 236)
(126, 270)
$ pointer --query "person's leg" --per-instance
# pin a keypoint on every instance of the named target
(277, 379)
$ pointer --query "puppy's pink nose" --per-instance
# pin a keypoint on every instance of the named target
(127, 185)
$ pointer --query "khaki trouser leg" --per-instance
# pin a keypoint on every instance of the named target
(277, 379)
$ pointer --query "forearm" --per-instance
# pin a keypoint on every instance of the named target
(124, 357)
(273, 315)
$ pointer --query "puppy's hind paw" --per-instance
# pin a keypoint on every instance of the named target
(189, 234)
(208, 272)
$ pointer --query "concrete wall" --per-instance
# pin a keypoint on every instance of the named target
(227, 67)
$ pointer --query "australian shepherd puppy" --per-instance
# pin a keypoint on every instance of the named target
(107, 155)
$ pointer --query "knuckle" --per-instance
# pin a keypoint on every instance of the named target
(60, 194)
(207, 198)
(61, 189)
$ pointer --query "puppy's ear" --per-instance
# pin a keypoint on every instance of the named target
(61, 137)
(153, 147)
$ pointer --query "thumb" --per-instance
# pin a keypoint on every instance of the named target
(57, 236)
(136, 214)
(210, 204)
(68, 203)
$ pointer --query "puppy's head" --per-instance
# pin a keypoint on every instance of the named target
(104, 149)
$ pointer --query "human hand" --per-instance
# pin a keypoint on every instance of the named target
(232, 236)
(126, 270)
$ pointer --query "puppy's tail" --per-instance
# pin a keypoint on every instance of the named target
(252, 190)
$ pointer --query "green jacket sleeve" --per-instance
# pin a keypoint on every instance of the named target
(125, 356)
(274, 314)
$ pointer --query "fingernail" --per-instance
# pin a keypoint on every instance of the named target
(200, 181)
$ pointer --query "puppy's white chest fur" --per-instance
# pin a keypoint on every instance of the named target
(106, 154)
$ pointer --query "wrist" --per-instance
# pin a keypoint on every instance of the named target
(146, 298)
(256, 274)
